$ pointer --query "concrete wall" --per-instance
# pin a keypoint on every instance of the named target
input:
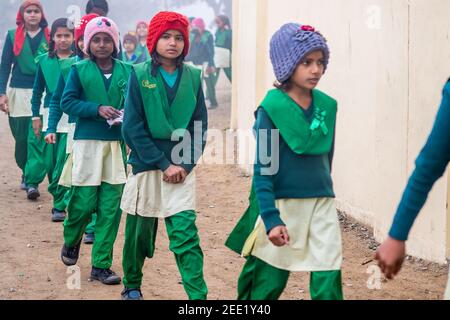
(389, 61)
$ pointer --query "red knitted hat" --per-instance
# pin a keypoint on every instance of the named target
(164, 21)
(79, 31)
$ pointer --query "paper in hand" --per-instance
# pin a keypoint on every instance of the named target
(117, 121)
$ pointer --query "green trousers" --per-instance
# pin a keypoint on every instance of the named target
(261, 281)
(19, 128)
(40, 159)
(228, 73)
(91, 226)
(210, 82)
(83, 202)
(140, 235)
(59, 158)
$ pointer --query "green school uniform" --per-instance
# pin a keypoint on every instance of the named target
(86, 89)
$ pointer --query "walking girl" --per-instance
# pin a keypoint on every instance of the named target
(165, 109)
(292, 223)
(21, 47)
(42, 157)
(94, 94)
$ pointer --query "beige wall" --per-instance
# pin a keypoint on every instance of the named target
(389, 61)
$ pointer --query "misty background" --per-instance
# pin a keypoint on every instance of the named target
(124, 12)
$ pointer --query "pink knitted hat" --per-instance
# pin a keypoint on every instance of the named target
(101, 25)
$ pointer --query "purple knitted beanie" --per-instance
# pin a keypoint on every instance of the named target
(291, 44)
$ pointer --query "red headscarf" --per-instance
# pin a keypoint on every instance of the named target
(19, 39)
(164, 21)
(199, 23)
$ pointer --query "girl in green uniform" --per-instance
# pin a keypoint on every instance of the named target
(165, 105)
(95, 94)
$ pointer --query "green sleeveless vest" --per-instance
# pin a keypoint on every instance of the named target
(303, 137)
(163, 119)
(26, 59)
(93, 84)
(65, 65)
(51, 69)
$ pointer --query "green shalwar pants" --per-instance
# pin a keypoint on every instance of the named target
(59, 158)
(140, 235)
(261, 281)
(84, 201)
(228, 73)
(40, 159)
(210, 81)
(19, 128)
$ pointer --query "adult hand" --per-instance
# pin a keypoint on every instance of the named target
(391, 255)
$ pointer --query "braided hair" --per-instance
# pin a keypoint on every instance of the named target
(59, 23)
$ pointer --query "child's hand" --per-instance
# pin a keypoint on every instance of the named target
(50, 138)
(390, 256)
(37, 126)
(108, 112)
(4, 103)
(279, 236)
(175, 174)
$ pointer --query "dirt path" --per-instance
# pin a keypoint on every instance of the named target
(30, 244)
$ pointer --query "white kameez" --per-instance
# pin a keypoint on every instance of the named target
(147, 195)
(19, 102)
(93, 162)
(315, 237)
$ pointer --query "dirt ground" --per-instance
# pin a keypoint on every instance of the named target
(30, 243)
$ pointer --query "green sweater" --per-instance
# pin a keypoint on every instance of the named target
(89, 125)
(18, 79)
(147, 153)
(298, 177)
(38, 90)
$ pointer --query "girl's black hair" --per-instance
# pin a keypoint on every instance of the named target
(225, 20)
(59, 23)
(93, 5)
(284, 86)
(78, 50)
(156, 62)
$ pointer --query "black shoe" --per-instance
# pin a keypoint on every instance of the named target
(23, 185)
(132, 294)
(105, 276)
(69, 256)
(33, 193)
(89, 238)
(58, 216)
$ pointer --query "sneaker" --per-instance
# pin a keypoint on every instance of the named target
(23, 185)
(132, 294)
(105, 276)
(213, 106)
(69, 256)
(33, 193)
(89, 238)
(58, 216)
